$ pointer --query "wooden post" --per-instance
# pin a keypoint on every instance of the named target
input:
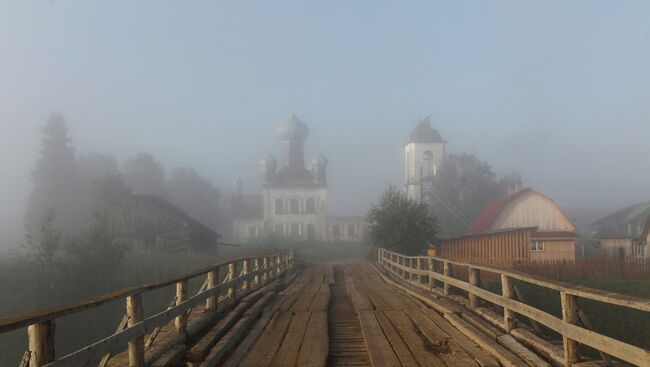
(418, 262)
(256, 264)
(432, 280)
(136, 346)
(181, 296)
(265, 266)
(473, 275)
(244, 273)
(213, 281)
(41, 343)
(278, 266)
(231, 275)
(447, 272)
(507, 292)
(378, 256)
(570, 315)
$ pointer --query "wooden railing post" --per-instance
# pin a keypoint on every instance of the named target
(446, 271)
(135, 315)
(181, 296)
(213, 281)
(256, 265)
(473, 275)
(418, 276)
(278, 266)
(507, 292)
(244, 273)
(570, 315)
(265, 266)
(41, 343)
(231, 275)
(432, 280)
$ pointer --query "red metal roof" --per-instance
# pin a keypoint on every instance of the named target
(492, 211)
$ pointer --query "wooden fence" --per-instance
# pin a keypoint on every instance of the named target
(255, 272)
(422, 272)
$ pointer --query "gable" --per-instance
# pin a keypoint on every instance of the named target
(532, 210)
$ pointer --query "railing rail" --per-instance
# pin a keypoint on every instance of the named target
(415, 269)
(256, 272)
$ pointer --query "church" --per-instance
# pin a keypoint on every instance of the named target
(293, 201)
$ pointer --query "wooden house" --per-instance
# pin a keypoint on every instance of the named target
(553, 237)
(625, 233)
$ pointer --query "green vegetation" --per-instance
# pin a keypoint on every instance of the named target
(400, 224)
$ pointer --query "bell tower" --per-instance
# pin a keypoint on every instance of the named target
(423, 154)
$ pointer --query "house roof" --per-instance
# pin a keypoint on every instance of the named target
(492, 211)
(614, 225)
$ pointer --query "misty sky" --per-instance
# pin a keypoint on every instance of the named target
(559, 91)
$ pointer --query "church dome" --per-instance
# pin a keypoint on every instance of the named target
(293, 129)
(424, 133)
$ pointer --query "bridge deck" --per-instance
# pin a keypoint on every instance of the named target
(334, 315)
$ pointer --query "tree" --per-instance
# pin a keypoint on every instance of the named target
(400, 224)
(56, 180)
(195, 195)
(464, 186)
(145, 175)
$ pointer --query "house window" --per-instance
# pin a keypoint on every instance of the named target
(311, 232)
(252, 231)
(295, 229)
(537, 246)
(279, 206)
(350, 229)
(310, 206)
(336, 230)
(279, 229)
(294, 206)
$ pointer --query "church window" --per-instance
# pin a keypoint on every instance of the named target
(351, 229)
(279, 206)
(428, 165)
(252, 231)
(295, 229)
(294, 206)
(311, 232)
(279, 229)
(310, 206)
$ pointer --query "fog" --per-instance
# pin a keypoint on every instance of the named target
(557, 91)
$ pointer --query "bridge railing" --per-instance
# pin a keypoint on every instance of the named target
(421, 271)
(255, 272)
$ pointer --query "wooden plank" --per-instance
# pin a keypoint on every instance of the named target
(288, 352)
(522, 352)
(505, 357)
(265, 349)
(401, 350)
(415, 343)
(230, 340)
(242, 350)
(321, 302)
(171, 358)
(315, 345)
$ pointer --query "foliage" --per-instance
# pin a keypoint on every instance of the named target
(195, 195)
(400, 224)
(462, 189)
(145, 175)
(56, 180)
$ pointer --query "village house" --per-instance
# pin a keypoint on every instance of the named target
(624, 234)
(554, 236)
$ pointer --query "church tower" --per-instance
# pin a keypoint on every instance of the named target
(424, 153)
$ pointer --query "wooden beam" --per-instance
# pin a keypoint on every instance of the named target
(41, 343)
(135, 315)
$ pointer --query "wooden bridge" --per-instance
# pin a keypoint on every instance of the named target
(275, 311)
